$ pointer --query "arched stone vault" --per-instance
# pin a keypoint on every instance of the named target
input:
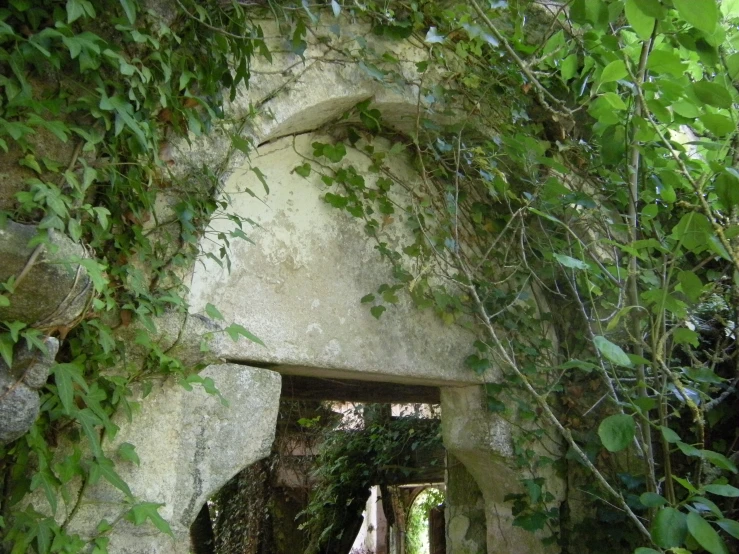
(297, 286)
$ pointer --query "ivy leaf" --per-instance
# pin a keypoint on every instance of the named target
(669, 528)
(477, 364)
(103, 467)
(235, 330)
(241, 144)
(701, 14)
(88, 420)
(617, 431)
(262, 178)
(303, 170)
(612, 352)
(95, 271)
(336, 200)
(142, 511)
(64, 376)
(6, 348)
(705, 534)
(377, 311)
(127, 451)
(213, 312)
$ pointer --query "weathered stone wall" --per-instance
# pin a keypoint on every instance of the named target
(483, 442)
(189, 444)
(298, 287)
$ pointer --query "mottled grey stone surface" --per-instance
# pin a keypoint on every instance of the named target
(19, 401)
(55, 289)
(190, 444)
(483, 442)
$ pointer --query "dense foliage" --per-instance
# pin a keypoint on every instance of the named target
(588, 227)
(93, 94)
(584, 223)
(367, 448)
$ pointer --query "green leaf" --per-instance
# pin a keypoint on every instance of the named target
(642, 23)
(722, 490)
(96, 272)
(568, 261)
(705, 534)
(712, 93)
(730, 526)
(616, 432)
(719, 460)
(6, 348)
(213, 312)
(718, 124)
(644, 550)
(142, 511)
(477, 364)
(303, 170)
(681, 335)
(652, 500)
(262, 178)
(693, 231)
(103, 467)
(235, 330)
(701, 14)
(669, 528)
(568, 67)
(687, 485)
(129, 8)
(690, 284)
(612, 352)
(77, 9)
(614, 71)
(666, 61)
(377, 311)
(336, 200)
(88, 420)
(127, 451)
(64, 376)
(614, 100)
(241, 144)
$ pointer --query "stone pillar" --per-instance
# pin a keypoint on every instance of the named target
(466, 531)
(190, 444)
(482, 442)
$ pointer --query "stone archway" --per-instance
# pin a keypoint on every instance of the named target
(297, 287)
